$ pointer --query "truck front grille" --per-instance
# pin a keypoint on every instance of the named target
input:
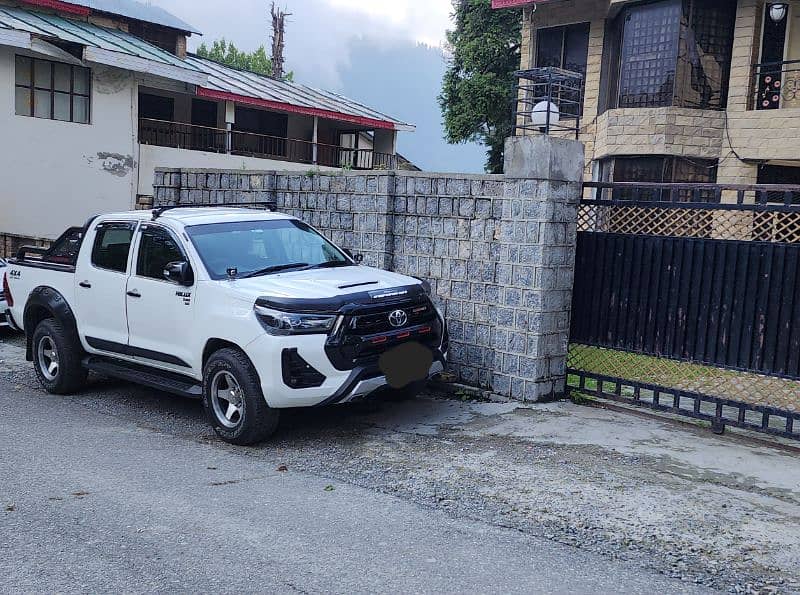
(372, 330)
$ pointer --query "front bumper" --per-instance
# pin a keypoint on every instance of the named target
(365, 381)
(339, 386)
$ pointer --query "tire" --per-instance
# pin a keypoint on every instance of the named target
(408, 393)
(57, 355)
(229, 372)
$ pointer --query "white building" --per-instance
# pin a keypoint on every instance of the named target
(101, 92)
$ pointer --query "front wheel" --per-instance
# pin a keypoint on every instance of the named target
(57, 358)
(233, 400)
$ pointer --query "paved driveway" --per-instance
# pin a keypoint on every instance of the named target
(123, 489)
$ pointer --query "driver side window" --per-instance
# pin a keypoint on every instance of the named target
(157, 249)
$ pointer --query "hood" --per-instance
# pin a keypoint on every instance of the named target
(325, 286)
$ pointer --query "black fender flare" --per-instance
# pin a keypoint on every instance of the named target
(41, 300)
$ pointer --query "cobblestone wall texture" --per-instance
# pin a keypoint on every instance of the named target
(498, 252)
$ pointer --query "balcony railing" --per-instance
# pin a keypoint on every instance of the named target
(777, 85)
(179, 135)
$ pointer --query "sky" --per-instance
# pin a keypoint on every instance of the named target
(388, 54)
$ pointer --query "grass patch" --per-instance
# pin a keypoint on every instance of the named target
(728, 384)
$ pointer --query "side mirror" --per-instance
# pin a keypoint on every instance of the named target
(358, 258)
(179, 272)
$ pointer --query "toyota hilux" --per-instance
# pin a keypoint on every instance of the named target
(249, 310)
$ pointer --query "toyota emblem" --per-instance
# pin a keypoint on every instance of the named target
(398, 318)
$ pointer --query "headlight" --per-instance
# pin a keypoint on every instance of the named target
(433, 297)
(276, 322)
(426, 286)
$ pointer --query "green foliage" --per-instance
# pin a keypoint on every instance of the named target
(478, 87)
(227, 53)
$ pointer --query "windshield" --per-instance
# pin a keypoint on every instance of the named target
(262, 247)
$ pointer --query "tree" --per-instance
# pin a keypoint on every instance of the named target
(227, 53)
(478, 86)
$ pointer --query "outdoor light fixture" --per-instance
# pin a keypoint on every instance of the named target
(541, 118)
(777, 12)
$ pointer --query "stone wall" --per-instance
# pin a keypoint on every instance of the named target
(660, 131)
(498, 251)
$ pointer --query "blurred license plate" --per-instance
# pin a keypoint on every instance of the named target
(406, 363)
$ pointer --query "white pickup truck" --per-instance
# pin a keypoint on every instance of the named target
(249, 310)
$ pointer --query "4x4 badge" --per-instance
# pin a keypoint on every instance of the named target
(398, 318)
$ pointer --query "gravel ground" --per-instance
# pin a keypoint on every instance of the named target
(721, 512)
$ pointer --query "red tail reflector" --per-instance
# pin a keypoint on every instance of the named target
(7, 291)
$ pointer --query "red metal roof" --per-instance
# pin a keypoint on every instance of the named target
(65, 7)
(513, 3)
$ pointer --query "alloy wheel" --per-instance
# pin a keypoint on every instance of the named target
(47, 357)
(227, 399)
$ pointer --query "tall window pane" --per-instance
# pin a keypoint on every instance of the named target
(41, 104)
(42, 72)
(576, 48)
(649, 54)
(80, 110)
(549, 45)
(62, 76)
(81, 80)
(704, 62)
(22, 75)
(22, 97)
(61, 107)
(568, 48)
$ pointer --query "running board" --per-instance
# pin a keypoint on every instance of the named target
(167, 381)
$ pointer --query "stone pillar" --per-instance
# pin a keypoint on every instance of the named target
(536, 265)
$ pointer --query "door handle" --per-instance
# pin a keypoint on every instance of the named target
(134, 294)
(85, 284)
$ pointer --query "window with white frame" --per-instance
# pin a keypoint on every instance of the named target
(52, 90)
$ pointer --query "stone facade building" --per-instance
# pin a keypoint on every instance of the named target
(677, 90)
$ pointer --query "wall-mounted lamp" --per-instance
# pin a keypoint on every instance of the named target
(777, 12)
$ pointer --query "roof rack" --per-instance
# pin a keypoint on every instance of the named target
(271, 206)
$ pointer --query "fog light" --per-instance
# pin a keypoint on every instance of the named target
(297, 372)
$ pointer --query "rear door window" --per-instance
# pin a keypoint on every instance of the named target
(112, 245)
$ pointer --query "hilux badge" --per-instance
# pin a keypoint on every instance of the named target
(398, 318)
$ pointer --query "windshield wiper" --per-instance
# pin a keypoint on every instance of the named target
(275, 269)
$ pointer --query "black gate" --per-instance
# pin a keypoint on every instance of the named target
(687, 300)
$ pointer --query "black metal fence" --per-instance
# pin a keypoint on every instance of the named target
(548, 101)
(690, 307)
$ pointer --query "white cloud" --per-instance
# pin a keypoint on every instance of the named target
(423, 21)
(318, 32)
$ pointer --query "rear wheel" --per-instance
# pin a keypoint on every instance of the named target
(57, 358)
(233, 400)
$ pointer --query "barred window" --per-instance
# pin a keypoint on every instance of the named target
(649, 54)
(661, 170)
(671, 53)
(52, 90)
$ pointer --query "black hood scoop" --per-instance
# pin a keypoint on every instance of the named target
(363, 283)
